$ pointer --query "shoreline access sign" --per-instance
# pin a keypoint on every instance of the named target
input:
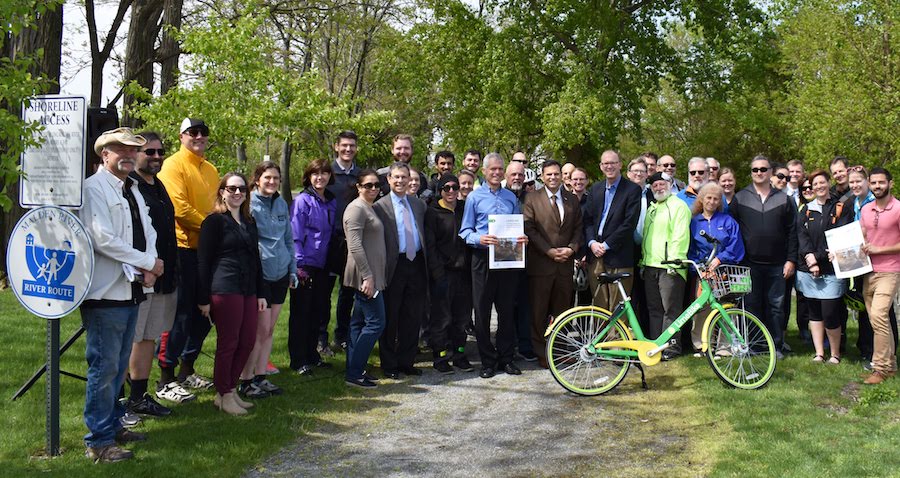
(54, 171)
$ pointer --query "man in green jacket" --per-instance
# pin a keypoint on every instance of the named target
(666, 237)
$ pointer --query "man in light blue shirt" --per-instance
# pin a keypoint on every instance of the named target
(491, 287)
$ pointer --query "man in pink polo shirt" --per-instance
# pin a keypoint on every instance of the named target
(880, 221)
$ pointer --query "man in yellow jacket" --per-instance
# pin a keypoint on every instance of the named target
(192, 183)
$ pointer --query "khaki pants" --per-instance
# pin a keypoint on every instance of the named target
(608, 296)
(879, 289)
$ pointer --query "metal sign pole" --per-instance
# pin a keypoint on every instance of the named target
(53, 387)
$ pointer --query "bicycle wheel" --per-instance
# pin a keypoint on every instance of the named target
(744, 360)
(573, 361)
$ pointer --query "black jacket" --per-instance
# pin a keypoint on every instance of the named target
(228, 259)
(811, 227)
(768, 229)
(621, 219)
(449, 251)
(162, 216)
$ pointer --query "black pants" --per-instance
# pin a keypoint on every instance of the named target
(404, 301)
(310, 302)
(451, 310)
(665, 292)
(342, 313)
(190, 328)
(495, 288)
(826, 310)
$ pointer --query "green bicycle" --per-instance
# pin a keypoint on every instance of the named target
(590, 349)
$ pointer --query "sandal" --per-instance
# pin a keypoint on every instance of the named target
(818, 359)
(834, 360)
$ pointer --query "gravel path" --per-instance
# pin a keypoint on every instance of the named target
(462, 425)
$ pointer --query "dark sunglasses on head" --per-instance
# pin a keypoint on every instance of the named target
(781, 176)
(154, 152)
(696, 173)
(759, 170)
(234, 189)
(369, 186)
(197, 131)
(450, 187)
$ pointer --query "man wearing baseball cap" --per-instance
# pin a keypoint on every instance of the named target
(123, 237)
(192, 182)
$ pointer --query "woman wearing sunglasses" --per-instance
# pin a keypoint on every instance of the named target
(365, 272)
(231, 289)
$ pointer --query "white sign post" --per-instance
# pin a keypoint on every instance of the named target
(54, 171)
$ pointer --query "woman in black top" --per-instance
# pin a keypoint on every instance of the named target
(231, 286)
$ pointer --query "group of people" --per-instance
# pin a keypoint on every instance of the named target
(410, 255)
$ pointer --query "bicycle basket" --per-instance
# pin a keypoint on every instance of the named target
(730, 280)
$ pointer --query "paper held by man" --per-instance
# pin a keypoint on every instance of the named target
(509, 253)
(845, 243)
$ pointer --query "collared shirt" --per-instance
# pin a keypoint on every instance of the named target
(401, 204)
(480, 204)
(610, 195)
(882, 228)
(558, 202)
(107, 218)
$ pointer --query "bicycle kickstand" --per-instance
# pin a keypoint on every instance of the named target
(643, 376)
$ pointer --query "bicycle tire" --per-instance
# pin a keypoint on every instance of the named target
(748, 365)
(573, 365)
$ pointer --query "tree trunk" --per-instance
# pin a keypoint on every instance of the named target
(99, 55)
(140, 51)
(241, 153)
(286, 152)
(169, 50)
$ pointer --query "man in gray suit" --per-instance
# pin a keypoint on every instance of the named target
(403, 217)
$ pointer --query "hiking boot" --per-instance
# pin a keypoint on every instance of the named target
(108, 454)
(147, 406)
(463, 364)
(125, 436)
(174, 392)
(878, 376)
(197, 382)
(443, 367)
(267, 386)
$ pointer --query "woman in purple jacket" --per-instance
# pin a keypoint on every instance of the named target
(312, 221)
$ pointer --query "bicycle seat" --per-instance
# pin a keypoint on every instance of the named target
(607, 278)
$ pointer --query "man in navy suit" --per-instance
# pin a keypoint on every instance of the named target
(610, 217)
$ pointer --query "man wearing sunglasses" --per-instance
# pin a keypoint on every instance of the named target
(192, 183)
(766, 217)
(713, 164)
(698, 175)
(666, 164)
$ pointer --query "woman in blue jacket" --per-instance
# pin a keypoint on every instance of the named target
(312, 223)
(708, 216)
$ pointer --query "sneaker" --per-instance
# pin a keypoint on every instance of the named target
(361, 382)
(779, 355)
(305, 370)
(271, 369)
(323, 364)
(174, 392)
(443, 367)
(324, 350)
(528, 356)
(130, 420)
(125, 436)
(267, 386)
(463, 364)
(252, 391)
(868, 366)
(147, 406)
(108, 454)
(197, 382)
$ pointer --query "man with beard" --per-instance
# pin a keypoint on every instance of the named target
(698, 175)
(666, 237)
(515, 182)
(472, 164)
(157, 313)
(402, 151)
(880, 221)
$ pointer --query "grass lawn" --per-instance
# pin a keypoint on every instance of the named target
(811, 420)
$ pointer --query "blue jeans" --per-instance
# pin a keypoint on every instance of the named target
(366, 325)
(110, 331)
(764, 301)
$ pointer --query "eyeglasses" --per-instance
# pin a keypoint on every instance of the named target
(450, 187)
(759, 170)
(154, 152)
(236, 189)
(197, 131)
(713, 168)
(667, 165)
(806, 188)
(369, 186)
(781, 176)
(639, 171)
(697, 173)
(609, 164)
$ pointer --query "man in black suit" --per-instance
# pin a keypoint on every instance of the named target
(610, 218)
(403, 217)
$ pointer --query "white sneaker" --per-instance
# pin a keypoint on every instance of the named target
(174, 393)
(197, 382)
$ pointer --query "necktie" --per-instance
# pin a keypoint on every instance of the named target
(555, 208)
(408, 233)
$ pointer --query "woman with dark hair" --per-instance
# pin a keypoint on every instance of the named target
(312, 223)
(815, 274)
(276, 251)
(231, 289)
(365, 272)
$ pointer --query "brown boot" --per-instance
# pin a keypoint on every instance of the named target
(878, 376)
(242, 403)
(108, 454)
(229, 406)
